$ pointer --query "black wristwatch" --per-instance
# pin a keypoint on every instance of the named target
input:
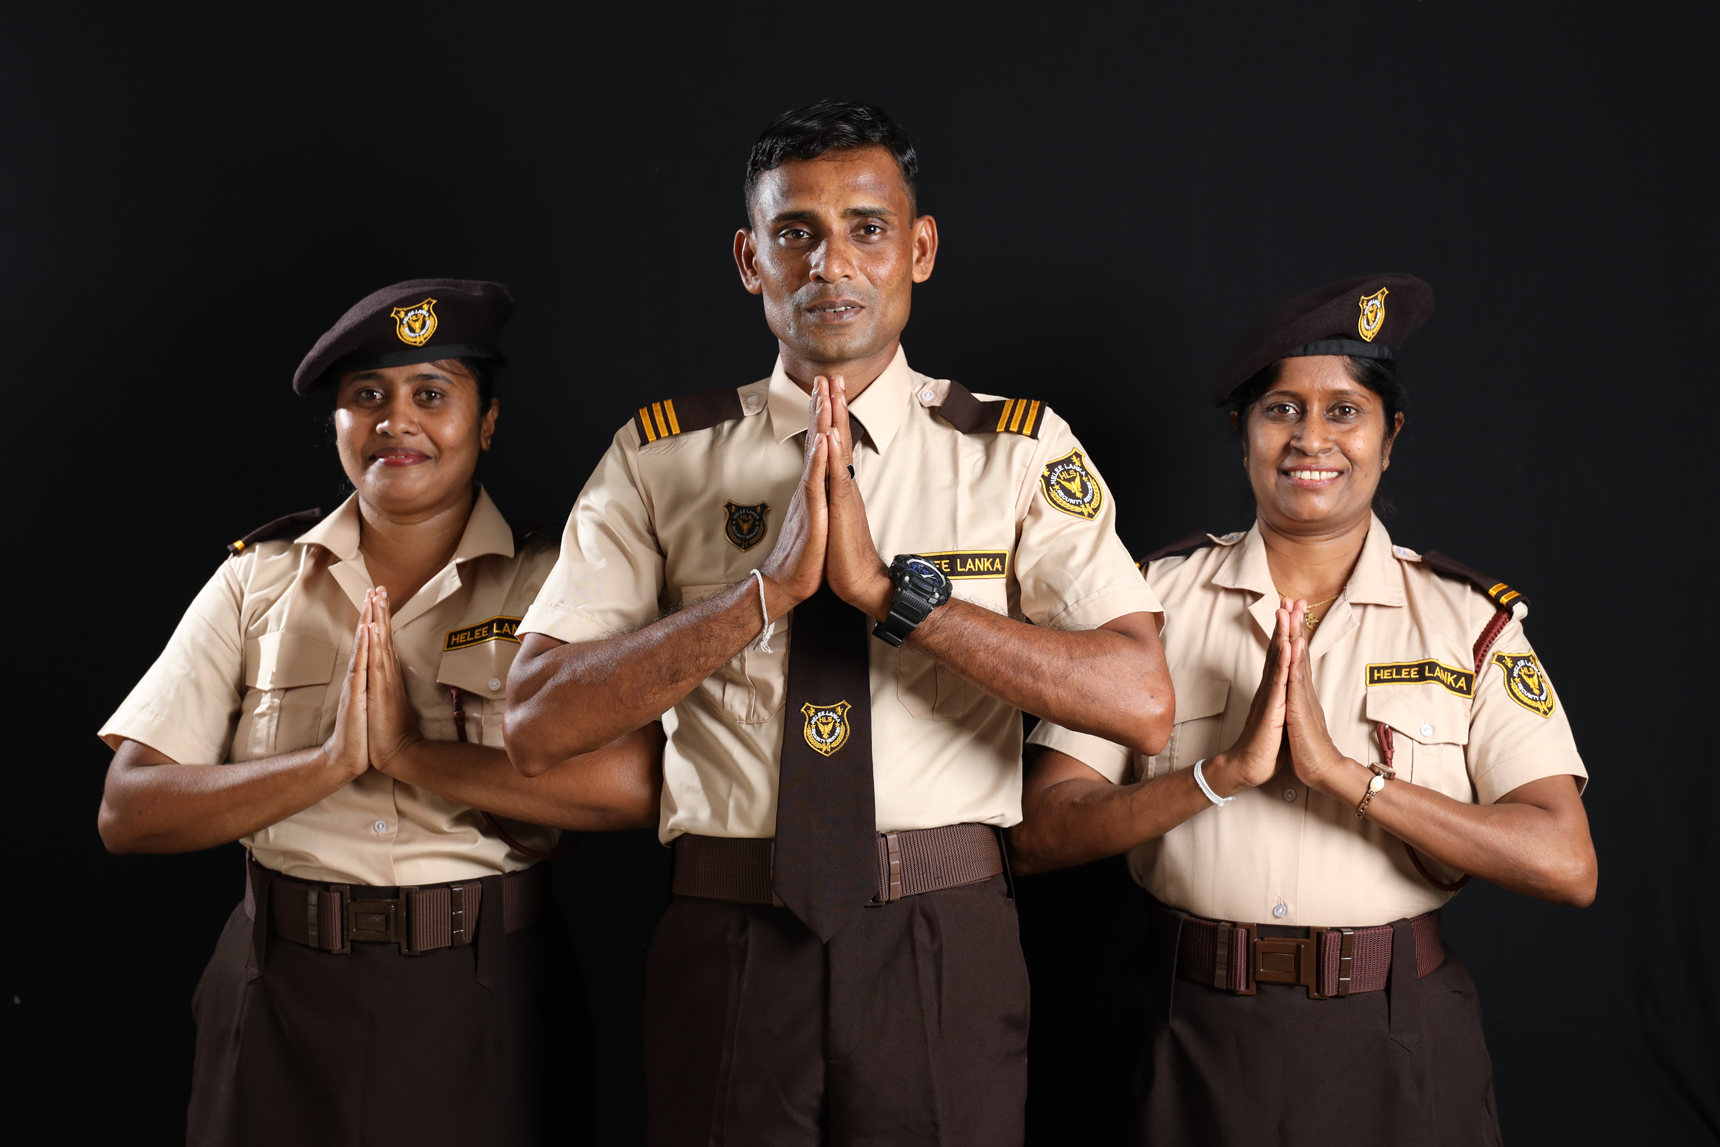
(920, 588)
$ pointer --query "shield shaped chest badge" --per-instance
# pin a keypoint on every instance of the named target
(745, 526)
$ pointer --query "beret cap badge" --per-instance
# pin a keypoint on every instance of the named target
(415, 324)
(1373, 314)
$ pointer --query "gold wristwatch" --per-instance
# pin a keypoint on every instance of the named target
(1381, 776)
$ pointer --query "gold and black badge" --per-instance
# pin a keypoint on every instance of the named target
(1373, 315)
(745, 526)
(827, 726)
(1525, 682)
(495, 629)
(415, 324)
(1069, 487)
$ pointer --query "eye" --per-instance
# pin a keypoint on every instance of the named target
(1281, 410)
(1345, 410)
(794, 234)
(429, 394)
(871, 230)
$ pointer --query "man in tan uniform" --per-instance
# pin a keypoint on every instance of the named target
(1294, 987)
(841, 962)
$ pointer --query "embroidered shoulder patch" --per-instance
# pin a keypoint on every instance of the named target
(1426, 671)
(746, 525)
(1525, 682)
(826, 726)
(1070, 487)
(495, 629)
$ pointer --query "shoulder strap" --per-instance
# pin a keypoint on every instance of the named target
(1491, 588)
(289, 526)
(1178, 548)
(1024, 416)
(699, 411)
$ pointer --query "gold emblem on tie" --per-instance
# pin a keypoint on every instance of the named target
(415, 324)
(827, 726)
(1373, 314)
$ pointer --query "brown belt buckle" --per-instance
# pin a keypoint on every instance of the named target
(378, 921)
(1287, 960)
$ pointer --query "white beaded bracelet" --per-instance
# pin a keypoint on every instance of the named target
(769, 625)
(1200, 780)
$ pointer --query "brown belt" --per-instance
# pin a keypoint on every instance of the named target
(419, 919)
(909, 863)
(1327, 961)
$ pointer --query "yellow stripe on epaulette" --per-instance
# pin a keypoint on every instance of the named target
(1502, 595)
(1018, 416)
(657, 420)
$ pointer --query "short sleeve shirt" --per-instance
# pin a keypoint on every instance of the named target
(1397, 648)
(255, 669)
(669, 521)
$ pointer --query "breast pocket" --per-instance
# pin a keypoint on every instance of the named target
(1430, 732)
(287, 679)
(749, 688)
(480, 673)
(1199, 725)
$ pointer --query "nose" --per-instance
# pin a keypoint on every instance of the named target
(833, 260)
(1313, 435)
(401, 417)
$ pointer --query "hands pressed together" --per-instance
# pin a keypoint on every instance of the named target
(1286, 724)
(825, 535)
(374, 727)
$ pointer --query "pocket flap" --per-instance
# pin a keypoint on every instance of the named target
(1424, 712)
(695, 593)
(287, 660)
(481, 670)
(1199, 697)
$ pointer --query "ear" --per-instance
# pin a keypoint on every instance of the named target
(925, 247)
(746, 261)
(487, 425)
(1391, 440)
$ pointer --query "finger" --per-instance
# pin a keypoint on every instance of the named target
(361, 672)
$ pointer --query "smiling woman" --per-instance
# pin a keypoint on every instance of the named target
(397, 934)
(1358, 726)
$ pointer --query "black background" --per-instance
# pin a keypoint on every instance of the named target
(190, 196)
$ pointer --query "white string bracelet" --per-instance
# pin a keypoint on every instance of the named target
(1200, 780)
(770, 626)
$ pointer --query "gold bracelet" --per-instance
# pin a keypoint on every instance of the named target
(1381, 776)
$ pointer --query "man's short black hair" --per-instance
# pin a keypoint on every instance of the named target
(831, 125)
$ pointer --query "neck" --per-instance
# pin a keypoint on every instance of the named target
(857, 373)
(1313, 564)
(404, 549)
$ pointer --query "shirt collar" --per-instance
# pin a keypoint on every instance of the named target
(1376, 580)
(880, 408)
(487, 532)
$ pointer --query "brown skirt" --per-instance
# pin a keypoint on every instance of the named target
(376, 1048)
(1196, 1065)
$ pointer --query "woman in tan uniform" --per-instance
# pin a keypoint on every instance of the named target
(1358, 726)
(398, 971)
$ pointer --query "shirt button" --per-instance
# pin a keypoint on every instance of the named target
(380, 826)
(1279, 910)
(752, 402)
(1427, 730)
(495, 683)
(1289, 794)
(928, 394)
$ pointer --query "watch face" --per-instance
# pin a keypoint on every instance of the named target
(924, 574)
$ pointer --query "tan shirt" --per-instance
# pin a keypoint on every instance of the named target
(1461, 733)
(255, 669)
(653, 529)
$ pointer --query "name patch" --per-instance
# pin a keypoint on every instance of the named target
(958, 565)
(1428, 671)
(495, 629)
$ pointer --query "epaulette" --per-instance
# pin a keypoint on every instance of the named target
(674, 416)
(1493, 589)
(289, 526)
(1182, 547)
(969, 415)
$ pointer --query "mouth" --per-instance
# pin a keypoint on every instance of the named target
(1312, 478)
(395, 456)
(834, 311)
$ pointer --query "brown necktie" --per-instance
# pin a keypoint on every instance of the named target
(826, 863)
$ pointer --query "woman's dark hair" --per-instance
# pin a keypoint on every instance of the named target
(1380, 375)
(484, 373)
(831, 125)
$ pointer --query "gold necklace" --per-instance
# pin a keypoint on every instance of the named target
(1309, 621)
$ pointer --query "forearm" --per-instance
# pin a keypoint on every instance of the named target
(1076, 821)
(168, 807)
(570, 699)
(615, 787)
(1105, 682)
(1544, 852)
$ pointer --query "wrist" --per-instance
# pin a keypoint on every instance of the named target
(875, 595)
(1224, 775)
(1342, 779)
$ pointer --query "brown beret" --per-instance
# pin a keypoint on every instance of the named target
(420, 320)
(1369, 317)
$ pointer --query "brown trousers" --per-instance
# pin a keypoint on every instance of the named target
(1196, 1065)
(908, 1028)
(377, 1048)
